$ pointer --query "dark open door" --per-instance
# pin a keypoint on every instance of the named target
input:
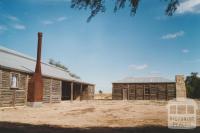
(66, 91)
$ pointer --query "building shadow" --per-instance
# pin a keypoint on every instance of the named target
(7, 127)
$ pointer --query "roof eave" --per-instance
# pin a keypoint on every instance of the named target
(141, 82)
(28, 72)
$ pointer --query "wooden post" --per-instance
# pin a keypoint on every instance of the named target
(128, 93)
(166, 92)
(0, 79)
(143, 91)
(26, 89)
(87, 93)
(157, 92)
(81, 90)
(60, 91)
(50, 91)
(72, 96)
(135, 90)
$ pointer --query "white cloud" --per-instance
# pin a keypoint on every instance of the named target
(19, 27)
(185, 51)
(47, 22)
(137, 67)
(61, 19)
(173, 35)
(189, 6)
(13, 18)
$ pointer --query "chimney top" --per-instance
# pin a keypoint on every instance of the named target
(39, 34)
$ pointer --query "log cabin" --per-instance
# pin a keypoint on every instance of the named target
(16, 72)
(148, 88)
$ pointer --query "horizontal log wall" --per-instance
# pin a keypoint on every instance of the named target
(153, 92)
(161, 91)
(0, 79)
(12, 96)
(46, 90)
(76, 91)
(51, 90)
(132, 92)
(171, 91)
(56, 91)
(91, 92)
(156, 91)
(87, 92)
(7, 95)
(117, 93)
(139, 92)
(18, 96)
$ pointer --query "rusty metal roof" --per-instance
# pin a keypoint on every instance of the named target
(20, 62)
(145, 80)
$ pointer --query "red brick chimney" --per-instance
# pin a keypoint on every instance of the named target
(35, 87)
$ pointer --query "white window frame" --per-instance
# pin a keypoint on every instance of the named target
(17, 80)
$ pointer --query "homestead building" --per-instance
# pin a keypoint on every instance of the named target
(148, 88)
(16, 72)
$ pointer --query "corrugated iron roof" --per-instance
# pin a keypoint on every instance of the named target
(145, 80)
(14, 60)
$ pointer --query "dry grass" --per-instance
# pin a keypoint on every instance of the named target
(97, 113)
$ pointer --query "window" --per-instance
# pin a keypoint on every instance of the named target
(147, 91)
(14, 80)
(132, 90)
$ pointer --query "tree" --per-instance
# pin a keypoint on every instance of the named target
(100, 93)
(193, 85)
(58, 64)
(97, 6)
(74, 75)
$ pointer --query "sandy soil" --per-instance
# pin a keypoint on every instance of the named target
(91, 114)
(104, 96)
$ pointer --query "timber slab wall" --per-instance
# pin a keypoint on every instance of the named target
(12, 96)
(87, 92)
(143, 91)
(52, 89)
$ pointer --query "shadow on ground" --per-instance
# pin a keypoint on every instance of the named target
(6, 127)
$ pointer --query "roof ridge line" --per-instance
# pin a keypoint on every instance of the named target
(19, 54)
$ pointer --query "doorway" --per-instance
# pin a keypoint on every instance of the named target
(125, 94)
(66, 90)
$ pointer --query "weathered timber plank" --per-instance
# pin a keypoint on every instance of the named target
(5, 79)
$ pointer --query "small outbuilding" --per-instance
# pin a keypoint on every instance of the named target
(147, 88)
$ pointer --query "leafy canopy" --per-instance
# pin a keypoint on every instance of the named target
(193, 85)
(58, 64)
(97, 6)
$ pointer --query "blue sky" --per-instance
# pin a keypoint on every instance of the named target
(113, 45)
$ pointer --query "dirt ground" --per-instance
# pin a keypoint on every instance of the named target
(104, 96)
(93, 114)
